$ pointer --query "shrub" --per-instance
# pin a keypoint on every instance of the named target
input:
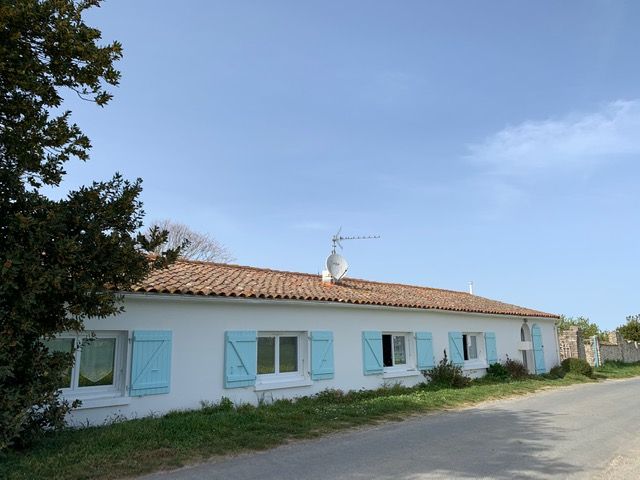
(332, 395)
(516, 369)
(225, 405)
(577, 365)
(497, 371)
(446, 374)
(557, 372)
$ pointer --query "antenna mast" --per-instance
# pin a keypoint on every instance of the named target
(337, 239)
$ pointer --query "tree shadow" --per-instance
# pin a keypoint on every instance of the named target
(490, 443)
(487, 442)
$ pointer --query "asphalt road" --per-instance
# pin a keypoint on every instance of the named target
(584, 431)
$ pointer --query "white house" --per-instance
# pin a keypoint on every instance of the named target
(202, 331)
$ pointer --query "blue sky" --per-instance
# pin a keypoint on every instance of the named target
(489, 141)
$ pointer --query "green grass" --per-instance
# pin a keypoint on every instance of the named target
(618, 370)
(144, 445)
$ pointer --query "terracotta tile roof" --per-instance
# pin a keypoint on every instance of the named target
(223, 280)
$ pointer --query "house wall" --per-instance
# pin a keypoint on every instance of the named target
(198, 325)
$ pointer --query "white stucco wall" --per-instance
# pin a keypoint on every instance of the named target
(199, 323)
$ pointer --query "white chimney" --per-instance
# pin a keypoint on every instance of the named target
(326, 277)
(471, 288)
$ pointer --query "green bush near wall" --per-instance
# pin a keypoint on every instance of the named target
(577, 365)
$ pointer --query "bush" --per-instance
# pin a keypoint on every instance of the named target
(577, 365)
(446, 374)
(497, 371)
(225, 405)
(516, 369)
(557, 372)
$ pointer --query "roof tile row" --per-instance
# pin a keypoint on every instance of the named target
(224, 280)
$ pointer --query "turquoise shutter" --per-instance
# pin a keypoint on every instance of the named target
(150, 363)
(538, 349)
(372, 353)
(240, 358)
(455, 348)
(424, 350)
(321, 355)
(490, 345)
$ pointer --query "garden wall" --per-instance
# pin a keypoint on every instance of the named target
(615, 348)
(571, 343)
(619, 349)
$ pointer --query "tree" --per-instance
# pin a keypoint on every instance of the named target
(588, 328)
(194, 245)
(631, 329)
(60, 261)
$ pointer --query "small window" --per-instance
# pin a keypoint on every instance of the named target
(99, 363)
(278, 354)
(62, 345)
(266, 355)
(394, 350)
(470, 346)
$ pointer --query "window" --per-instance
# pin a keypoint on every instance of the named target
(394, 349)
(99, 363)
(470, 344)
(278, 354)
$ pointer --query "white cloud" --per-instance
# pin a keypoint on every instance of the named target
(576, 141)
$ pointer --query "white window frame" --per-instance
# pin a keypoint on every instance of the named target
(117, 388)
(409, 368)
(267, 381)
(481, 360)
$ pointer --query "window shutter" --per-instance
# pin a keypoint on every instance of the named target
(321, 355)
(490, 346)
(240, 358)
(150, 363)
(455, 348)
(372, 353)
(538, 349)
(424, 350)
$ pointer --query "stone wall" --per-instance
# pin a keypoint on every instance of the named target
(615, 348)
(619, 349)
(589, 352)
(571, 343)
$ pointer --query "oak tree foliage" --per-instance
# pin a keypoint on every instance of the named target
(589, 328)
(61, 261)
(631, 329)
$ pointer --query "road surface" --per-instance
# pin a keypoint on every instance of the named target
(579, 432)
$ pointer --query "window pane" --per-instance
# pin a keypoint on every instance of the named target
(399, 355)
(266, 355)
(387, 348)
(473, 347)
(288, 354)
(97, 360)
(465, 346)
(64, 345)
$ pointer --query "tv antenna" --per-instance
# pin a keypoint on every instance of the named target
(336, 264)
(337, 239)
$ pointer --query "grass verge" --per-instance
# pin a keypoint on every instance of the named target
(178, 438)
